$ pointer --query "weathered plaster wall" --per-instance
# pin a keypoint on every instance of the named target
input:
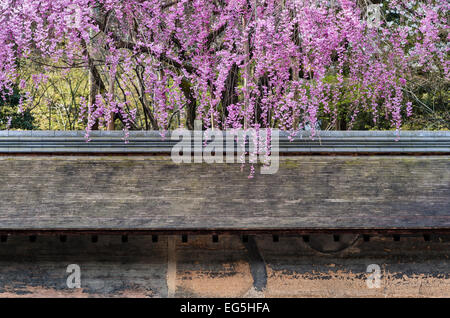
(140, 267)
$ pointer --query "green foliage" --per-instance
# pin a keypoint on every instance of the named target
(10, 117)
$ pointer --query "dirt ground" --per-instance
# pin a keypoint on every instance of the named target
(259, 267)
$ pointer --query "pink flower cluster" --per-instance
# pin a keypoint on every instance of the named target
(239, 63)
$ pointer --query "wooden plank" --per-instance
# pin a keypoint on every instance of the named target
(153, 193)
